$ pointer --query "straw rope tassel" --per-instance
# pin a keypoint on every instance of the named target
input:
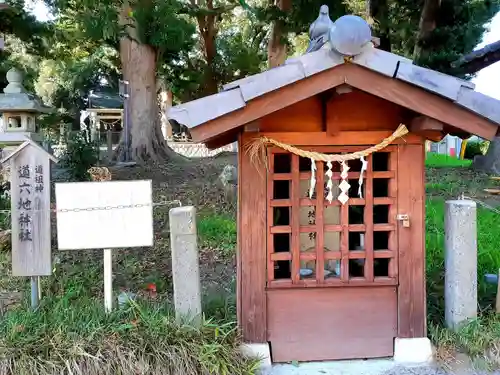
(313, 178)
(364, 167)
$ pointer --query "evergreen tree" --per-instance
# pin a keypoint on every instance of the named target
(146, 33)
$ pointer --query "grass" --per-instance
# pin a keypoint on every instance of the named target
(72, 334)
(218, 232)
(448, 178)
(434, 160)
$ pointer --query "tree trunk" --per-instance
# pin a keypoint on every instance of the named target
(146, 142)
(428, 20)
(208, 33)
(276, 49)
(139, 69)
(490, 162)
(378, 10)
(207, 25)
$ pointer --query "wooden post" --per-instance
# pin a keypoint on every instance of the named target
(109, 142)
(102, 174)
(498, 294)
(108, 280)
(30, 211)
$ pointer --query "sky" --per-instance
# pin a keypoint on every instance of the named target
(487, 80)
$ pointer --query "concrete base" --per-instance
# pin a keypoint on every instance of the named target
(261, 351)
(413, 351)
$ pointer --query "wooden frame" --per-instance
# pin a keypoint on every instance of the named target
(295, 203)
(406, 196)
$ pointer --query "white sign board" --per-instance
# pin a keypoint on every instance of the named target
(104, 215)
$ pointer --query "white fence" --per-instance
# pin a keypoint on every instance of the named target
(199, 150)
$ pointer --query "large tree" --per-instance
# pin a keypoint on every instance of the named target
(432, 32)
(147, 33)
(25, 41)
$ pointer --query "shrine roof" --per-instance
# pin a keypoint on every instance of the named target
(236, 96)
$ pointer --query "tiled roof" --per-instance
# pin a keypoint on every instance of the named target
(236, 94)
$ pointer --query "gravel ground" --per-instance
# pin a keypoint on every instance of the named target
(369, 367)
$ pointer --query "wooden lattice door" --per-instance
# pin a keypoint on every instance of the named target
(332, 269)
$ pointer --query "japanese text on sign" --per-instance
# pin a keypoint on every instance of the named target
(27, 194)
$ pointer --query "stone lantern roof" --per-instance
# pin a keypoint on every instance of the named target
(16, 99)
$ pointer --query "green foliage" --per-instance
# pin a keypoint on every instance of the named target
(79, 156)
(67, 81)
(25, 39)
(218, 232)
(460, 26)
(474, 148)
(157, 23)
(73, 334)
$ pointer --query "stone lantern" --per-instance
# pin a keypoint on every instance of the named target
(19, 111)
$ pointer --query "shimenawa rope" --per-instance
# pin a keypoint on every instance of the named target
(257, 149)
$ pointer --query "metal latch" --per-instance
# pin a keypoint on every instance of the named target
(405, 218)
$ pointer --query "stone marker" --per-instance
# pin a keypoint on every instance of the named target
(460, 262)
(185, 265)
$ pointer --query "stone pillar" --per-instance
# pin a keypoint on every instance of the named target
(185, 265)
(460, 262)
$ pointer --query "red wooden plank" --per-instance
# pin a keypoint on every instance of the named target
(320, 239)
(411, 291)
(302, 323)
(344, 242)
(270, 220)
(295, 219)
(368, 219)
(252, 249)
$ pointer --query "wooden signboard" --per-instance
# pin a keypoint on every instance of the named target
(104, 215)
(30, 210)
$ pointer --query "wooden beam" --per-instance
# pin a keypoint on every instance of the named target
(428, 128)
(368, 138)
(221, 141)
(422, 123)
(432, 135)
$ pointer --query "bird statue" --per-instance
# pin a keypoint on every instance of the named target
(319, 30)
(349, 35)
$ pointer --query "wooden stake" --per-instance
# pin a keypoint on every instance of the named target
(108, 280)
(498, 294)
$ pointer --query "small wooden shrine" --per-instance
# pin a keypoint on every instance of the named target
(331, 211)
